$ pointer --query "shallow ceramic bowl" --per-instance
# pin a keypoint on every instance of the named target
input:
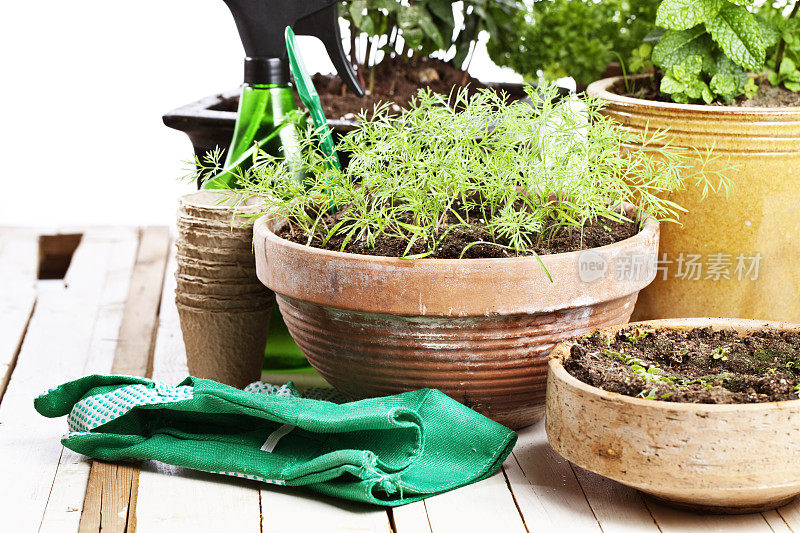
(730, 458)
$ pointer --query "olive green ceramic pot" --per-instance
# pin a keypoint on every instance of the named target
(735, 257)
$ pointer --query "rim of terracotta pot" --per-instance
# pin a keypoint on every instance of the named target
(600, 89)
(741, 325)
(445, 287)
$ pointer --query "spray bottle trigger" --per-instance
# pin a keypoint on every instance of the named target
(324, 24)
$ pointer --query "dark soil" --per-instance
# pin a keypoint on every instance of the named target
(768, 95)
(700, 366)
(558, 240)
(394, 81)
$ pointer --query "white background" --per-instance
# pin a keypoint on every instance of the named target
(83, 86)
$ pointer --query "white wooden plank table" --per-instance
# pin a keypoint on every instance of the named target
(114, 311)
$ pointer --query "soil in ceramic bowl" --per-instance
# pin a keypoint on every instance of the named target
(558, 239)
(768, 95)
(697, 366)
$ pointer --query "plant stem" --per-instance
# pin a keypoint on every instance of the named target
(466, 64)
(353, 54)
(782, 45)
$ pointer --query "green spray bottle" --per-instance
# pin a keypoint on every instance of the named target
(267, 101)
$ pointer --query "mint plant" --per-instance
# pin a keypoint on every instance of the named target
(710, 46)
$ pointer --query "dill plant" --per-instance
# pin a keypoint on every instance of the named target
(514, 172)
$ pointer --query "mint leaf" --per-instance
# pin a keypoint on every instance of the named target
(769, 31)
(724, 86)
(683, 81)
(670, 85)
(742, 39)
(728, 79)
(677, 45)
(685, 14)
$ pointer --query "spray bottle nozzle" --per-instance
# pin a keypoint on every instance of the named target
(261, 25)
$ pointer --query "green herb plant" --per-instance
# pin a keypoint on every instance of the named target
(511, 172)
(720, 353)
(556, 38)
(641, 368)
(401, 30)
(710, 46)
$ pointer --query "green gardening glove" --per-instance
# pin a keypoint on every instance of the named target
(387, 451)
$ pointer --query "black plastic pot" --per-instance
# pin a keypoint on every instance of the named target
(209, 122)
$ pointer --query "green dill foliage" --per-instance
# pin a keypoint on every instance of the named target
(513, 171)
(710, 46)
(578, 38)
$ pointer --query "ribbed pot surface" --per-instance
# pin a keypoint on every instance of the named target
(495, 365)
(477, 329)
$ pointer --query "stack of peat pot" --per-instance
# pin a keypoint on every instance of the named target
(224, 309)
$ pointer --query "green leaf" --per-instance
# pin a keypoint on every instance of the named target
(736, 31)
(688, 70)
(724, 86)
(676, 45)
(429, 27)
(357, 9)
(367, 25)
(769, 31)
(685, 14)
(443, 9)
(792, 86)
(787, 69)
(670, 85)
(728, 79)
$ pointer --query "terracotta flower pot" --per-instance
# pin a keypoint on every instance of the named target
(734, 257)
(477, 329)
(726, 458)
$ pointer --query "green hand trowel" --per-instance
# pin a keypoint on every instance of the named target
(309, 96)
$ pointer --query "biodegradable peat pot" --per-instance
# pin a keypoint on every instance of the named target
(751, 235)
(477, 329)
(724, 458)
(224, 310)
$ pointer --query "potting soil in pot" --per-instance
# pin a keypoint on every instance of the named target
(699, 366)
(458, 241)
(768, 95)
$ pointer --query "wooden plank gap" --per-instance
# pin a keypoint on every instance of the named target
(514, 497)
(390, 516)
(55, 349)
(112, 489)
(585, 497)
(650, 511)
(783, 518)
(12, 363)
(776, 521)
